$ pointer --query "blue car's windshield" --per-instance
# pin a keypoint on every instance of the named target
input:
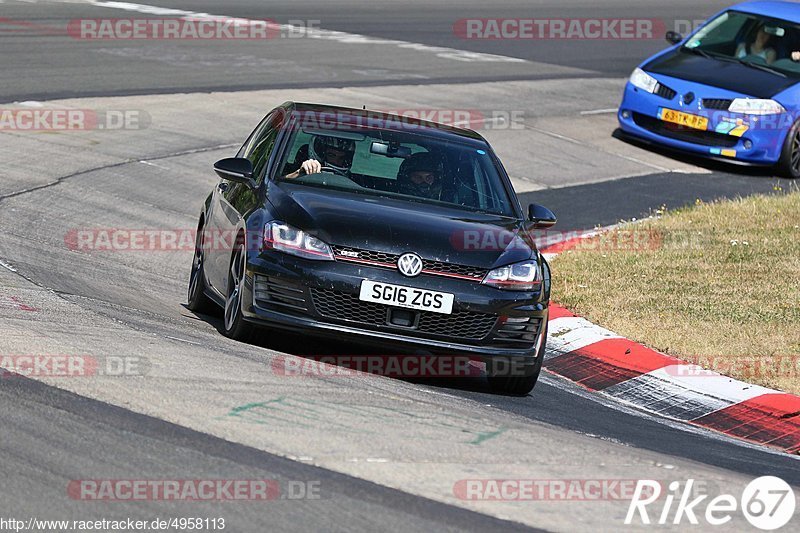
(404, 165)
(752, 39)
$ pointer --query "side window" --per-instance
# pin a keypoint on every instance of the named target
(259, 147)
(247, 148)
(261, 153)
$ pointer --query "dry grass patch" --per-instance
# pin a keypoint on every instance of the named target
(716, 284)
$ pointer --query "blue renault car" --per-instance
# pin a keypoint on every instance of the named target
(728, 91)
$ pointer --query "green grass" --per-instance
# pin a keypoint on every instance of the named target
(716, 284)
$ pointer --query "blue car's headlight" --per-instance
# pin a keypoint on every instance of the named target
(756, 106)
(524, 276)
(285, 238)
(643, 80)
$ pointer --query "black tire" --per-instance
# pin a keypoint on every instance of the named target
(196, 298)
(789, 163)
(517, 385)
(234, 325)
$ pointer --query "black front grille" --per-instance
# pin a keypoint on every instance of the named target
(372, 256)
(717, 103)
(388, 260)
(682, 133)
(665, 92)
(274, 294)
(459, 324)
(341, 306)
(519, 331)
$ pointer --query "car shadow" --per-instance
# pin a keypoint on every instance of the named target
(312, 348)
(713, 165)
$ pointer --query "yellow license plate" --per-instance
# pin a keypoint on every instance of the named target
(683, 119)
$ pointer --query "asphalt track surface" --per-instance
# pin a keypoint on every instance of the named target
(59, 66)
(392, 464)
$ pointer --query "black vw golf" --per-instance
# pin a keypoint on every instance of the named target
(380, 229)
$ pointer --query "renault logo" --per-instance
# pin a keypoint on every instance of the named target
(688, 98)
(409, 265)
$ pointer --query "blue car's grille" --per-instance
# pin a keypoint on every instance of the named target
(665, 92)
(717, 103)
(665, 129)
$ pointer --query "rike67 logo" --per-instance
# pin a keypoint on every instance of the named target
(768, 503)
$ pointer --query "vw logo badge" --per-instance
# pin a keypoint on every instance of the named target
(409, 265)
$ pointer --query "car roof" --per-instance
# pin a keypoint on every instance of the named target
(783, 10)
(382, 120)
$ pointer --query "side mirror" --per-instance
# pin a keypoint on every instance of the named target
(674, 37)
(541, 216)
(235, 169)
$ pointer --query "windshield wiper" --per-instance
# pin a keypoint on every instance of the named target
(764, 68)
(709, 55)
(697, 51)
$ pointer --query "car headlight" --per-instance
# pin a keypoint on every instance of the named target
(643, 80)
(524, 276)
(285, 238)
(756, 106)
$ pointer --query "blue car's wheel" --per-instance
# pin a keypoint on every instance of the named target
(789, 163)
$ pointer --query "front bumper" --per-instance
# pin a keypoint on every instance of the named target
(732, 137)
(321, 298)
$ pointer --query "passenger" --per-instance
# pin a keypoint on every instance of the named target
(421, 175)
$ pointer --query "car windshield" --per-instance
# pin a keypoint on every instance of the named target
(769, 44)
(404, 165)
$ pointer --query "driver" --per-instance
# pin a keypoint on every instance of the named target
(421, 175)
(759, 47)
(323, 151)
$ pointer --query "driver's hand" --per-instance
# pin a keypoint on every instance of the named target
(311, 166)
(795, 56)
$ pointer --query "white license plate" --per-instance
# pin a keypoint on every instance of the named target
(408, 297)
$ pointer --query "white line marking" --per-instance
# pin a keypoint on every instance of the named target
(148, 163)
(7, 266)
(567, 334)
(693, 377)
(316, 33)
(558, 136)
(652, 392)
(183, 340)
(599, 111)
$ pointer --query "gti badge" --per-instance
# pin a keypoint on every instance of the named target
(409, 265)
(688, 98)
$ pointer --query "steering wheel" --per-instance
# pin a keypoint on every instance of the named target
(334, 171)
